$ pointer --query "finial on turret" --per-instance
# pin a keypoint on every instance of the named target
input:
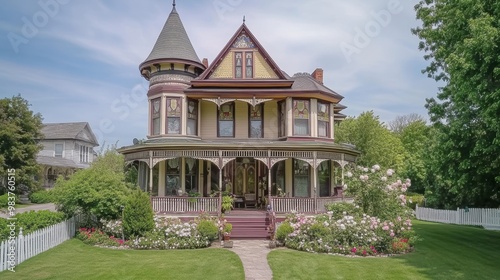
(243, 19)
(173, 4)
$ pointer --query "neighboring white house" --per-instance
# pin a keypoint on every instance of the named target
(66, 148)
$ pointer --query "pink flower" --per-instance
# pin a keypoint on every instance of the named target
(392, 233)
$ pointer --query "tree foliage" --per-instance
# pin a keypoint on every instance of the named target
(400, 122)
(20, 129)
(414, 136)
(461, 40)
(98, 191)
(376, 143)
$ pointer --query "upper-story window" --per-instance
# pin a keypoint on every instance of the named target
(323, 119)
(192, 118)
(173, 120)
(225, 118)
(301, 114)
(282, 118)
(155, 116)
(84, 154)
(255, 122)
(243, 66)
(58, 150)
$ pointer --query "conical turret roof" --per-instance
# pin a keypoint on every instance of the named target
(173, 42)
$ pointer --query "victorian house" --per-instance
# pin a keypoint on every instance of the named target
(66, 147)
(239, 124)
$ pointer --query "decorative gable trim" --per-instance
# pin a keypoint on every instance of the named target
(242, 39)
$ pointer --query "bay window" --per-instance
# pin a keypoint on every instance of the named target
(301, 114)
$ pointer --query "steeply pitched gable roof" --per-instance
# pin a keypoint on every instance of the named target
(173, 42)
(243, 30)
(77, 131)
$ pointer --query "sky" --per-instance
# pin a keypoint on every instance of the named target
(76, 60)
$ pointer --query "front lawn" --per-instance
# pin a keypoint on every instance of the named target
(446, 252)
(75, 260)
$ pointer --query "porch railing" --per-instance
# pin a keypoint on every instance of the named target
(303, 204)
(173, 204)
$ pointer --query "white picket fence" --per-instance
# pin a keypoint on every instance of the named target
(486, 217)
(15, 251)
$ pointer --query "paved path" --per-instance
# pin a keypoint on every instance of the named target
(253, 254)
(36, 207)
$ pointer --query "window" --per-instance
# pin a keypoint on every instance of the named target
(324, 178)
(155, 116)
(192, 120)
(173, 116)
(282, 118)
(249, 65)
(173, 176)
(58, 150)
(238, 71)
(278, 179)
(300, 178)
(84, 154)
(243, 64)
(323, 119)
(191, 178)
(255, 119)
(301, 117)
(226, 120)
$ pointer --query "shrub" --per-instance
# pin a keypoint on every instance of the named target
(98, 191)
(414, 200)
(283, 230)
(4, 201)
(208, 229)
(379, 193)
(94, 236)
(138, 214)
(362, 236)
(340, 209)
(31, 221)
(42, 196)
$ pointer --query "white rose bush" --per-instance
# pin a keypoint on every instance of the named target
(377, 223)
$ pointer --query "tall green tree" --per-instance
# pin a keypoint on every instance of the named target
(415, 139)
(461, 39)
(375, 142)
(20, 130)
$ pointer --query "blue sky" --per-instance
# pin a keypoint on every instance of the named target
(78, 60)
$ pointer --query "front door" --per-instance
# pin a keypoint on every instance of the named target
(245, 179)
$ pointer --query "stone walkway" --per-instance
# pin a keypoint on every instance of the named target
(253, 254)
(36, 207)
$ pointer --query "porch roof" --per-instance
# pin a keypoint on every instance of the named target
(186, 143)
(57, 162)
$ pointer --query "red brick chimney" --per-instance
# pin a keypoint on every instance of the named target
(205, 62)
(318, 75)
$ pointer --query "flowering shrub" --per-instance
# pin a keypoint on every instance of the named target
(357, 235)
(112, 227)
(172, 234)
(93, 236)
(379, 193)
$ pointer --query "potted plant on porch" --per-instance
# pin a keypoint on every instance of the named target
(228, 227)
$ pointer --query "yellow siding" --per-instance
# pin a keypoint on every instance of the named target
(271, 119)
(208, 120)
(241, 114)
(262, 68)
(225, 68)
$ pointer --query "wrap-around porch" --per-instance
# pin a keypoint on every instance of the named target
(183, 181)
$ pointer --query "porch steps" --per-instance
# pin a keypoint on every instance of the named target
(249, 227)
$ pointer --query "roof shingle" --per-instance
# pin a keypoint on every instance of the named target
(173, 42)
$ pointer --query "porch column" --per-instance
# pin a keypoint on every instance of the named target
(269, 184)
(220, 183)
(151, 173)
(315, 183)
(161, 178)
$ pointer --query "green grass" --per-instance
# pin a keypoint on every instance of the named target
(446, 252)
(76, 260)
